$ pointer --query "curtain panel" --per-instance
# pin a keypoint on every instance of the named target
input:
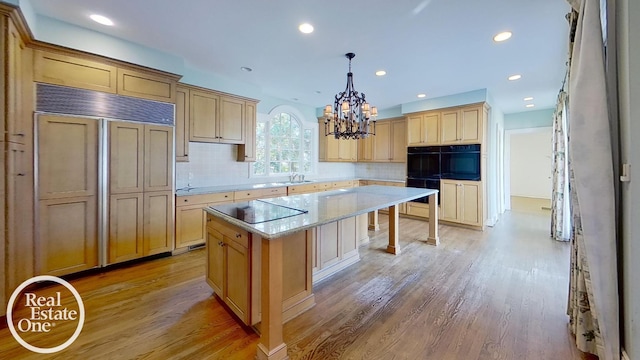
(593, 299)
(560, 212)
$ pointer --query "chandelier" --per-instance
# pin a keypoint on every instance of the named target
(351, 116)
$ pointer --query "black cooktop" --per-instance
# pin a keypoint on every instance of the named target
(257, 211)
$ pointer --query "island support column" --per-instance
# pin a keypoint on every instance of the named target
(271, 346)
(433, 238)
(394, 222)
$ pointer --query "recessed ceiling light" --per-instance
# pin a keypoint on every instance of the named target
(528, 98)
(247, 69)
(101, 19)
(295, 99)
(515, 77)
(305, 28)
(505, 35)
(318, 92)
(381, 73)
(422, 95)
(529, 105)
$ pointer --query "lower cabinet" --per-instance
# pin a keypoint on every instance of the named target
(417, 209)
(190, 218)
(462, 202)
(140, 224)
(228, 268)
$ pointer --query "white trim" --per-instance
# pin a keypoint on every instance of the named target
(507, 159)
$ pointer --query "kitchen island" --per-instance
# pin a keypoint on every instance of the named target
(284, 230)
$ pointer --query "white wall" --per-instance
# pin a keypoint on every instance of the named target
(530, 163)
(628, 25)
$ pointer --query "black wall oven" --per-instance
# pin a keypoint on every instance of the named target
(426, 165)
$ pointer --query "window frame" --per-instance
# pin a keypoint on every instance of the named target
(295, 115)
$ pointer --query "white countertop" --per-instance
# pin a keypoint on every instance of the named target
(325, 207)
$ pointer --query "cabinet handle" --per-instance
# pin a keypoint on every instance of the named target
(208, 220)
(220, 243)
(246, 156)
(19, 134)
(238, 236)
(185, 200)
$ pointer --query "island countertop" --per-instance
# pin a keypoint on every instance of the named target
(322, 208)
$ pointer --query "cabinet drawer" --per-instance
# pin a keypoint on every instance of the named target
(342, 184)
(247, 195)
(229, 231)
(204, 198)
(418, 209)
(274, 192)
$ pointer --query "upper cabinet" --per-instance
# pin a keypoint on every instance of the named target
(338, 150)
(459, 125)
(389, 144)
(204, 115)
(75, 69)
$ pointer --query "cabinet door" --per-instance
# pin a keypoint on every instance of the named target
(126, 157)
(182, 124)
(68, 235)
(203, 108)
(347, 228)
(126, 227)
(231, 121)
(16, 129)
(471, 125)
(381, 145)
(449, 124)
(190, 229)
(237, 268)
(58, 69)
(414, 130)
(158, 158)
(451, 193)
(365, 149)
(332, 148)
(158, 222)
(146, 86)
(67, 157)
(330, 247)
(247, 151)
(215, 264)
(67, 182)
(471, 203)
(348, 149)
(431, 129)
(398, 141)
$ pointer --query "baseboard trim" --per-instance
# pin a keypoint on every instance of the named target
(625, 356)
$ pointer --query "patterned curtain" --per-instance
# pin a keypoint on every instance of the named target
(593, 289)
(560, 213)
(583, 321)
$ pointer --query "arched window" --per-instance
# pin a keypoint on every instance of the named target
(283, 146)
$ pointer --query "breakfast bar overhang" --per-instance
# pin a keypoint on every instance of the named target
(315, 209)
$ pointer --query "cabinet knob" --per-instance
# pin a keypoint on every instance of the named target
(208, 220)
(185, 200)
(220, 243)
(238, 236)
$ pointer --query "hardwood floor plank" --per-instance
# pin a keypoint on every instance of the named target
(497, 294)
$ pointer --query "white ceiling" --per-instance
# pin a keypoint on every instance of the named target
(436, 47)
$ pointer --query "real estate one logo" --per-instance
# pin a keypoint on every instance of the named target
(43, 313)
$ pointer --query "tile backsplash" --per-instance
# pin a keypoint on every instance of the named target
(215, 165)
(390, 171)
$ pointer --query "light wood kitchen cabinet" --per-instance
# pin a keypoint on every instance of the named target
(336, 150)
(229, 259)
(247, 151)
(79, 70)
(65, 70)
(336, 245)
(457, 125)
(462, 202)
(141, 181)
(389, 144)
(216, 118)
(423, 129)
(67, 190)
(462, 126)
(146, 85)
(190, 218)
(182, 124)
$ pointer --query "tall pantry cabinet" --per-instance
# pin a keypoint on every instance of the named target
(16, 154)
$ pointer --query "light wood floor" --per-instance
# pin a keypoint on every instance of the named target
(498, 294)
